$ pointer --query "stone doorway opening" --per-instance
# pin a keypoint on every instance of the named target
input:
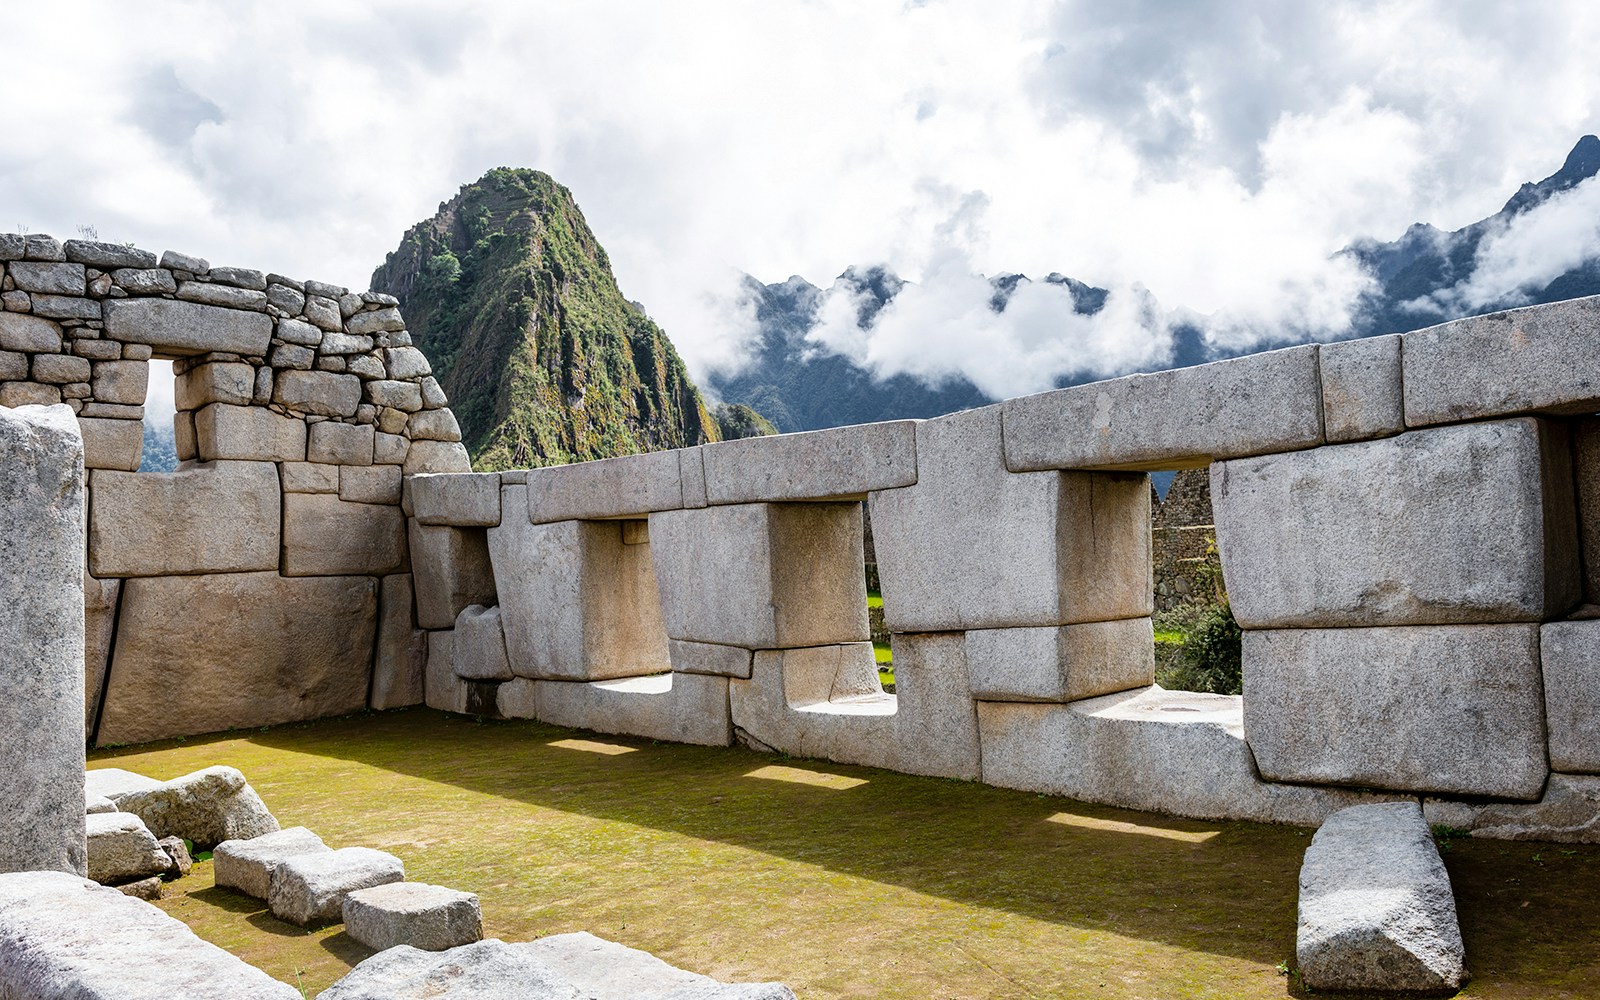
(1196, 639)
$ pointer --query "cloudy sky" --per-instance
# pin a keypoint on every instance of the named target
(1204, 155)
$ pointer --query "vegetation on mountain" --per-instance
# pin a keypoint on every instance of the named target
(735, 420)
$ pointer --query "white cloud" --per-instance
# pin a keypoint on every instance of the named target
(1531, 250)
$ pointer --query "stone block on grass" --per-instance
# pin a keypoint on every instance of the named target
(246, 865)
(310, 888)
(122, 848)
(207, 807)
(605, 970)
(430, 917)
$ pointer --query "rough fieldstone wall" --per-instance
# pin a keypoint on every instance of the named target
(266, 578)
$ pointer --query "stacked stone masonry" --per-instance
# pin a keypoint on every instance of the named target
(1407, 527)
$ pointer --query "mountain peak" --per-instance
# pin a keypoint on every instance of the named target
(1581, 164)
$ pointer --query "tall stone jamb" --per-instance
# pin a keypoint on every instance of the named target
(41, 640)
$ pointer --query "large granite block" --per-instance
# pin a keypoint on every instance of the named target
(327, 394)
(430, 917)
(1361, 391)
(246, 865)
(836, 463)
(1540, 359)
(238, 650)
(762, 576)
(401, 656)
(682, 708)
(214, 517)
(112, 444)
(1470, 523)
(248, 433)
(479, 649)
(311, 888)
(1184, 418)
(1453, 709)
(972, 545)
(326, 536)
(122, 848)
(1061, 663)
(578, 601)
(42, 635)
(630, 486)
(450, 569)
(458, 499)
(185, 328)
(1570, 654)
(706, 658)
(230, 382)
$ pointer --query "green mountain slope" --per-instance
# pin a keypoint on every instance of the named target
(513, 300)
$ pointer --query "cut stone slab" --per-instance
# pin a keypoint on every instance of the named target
(483, 970)
(1376, 911)
(1064, 663)
(112, 444)
(1471, 523)
(207, 807)
(186, 328)
(681, 708)
(450, 570)
(382, 484)
(442, 689)
(255, 649)
(327, 394)
(113, 782)
(246, 865)
(578, 603)
(326, 536)
(1040, 548)
(436, 456)
(1570, 653)
(249, 433)
(836, 463)
(66, 938)
(146, 888)
(762, 576)
(430, 917)
(231, 382)
(21, 332)
(1361, 391)
(401, 657)
(458, 499)
(1184, 418)
(1175, 752)
(479, 652)
(42, 632)
(629, 486)
(826, 702)
(122, 848)
(1538, 359)
(1324, 706)
(605, 970)
(1568, 813)
(211, 517)
(706, 658)
(311, 887)
(334, 443)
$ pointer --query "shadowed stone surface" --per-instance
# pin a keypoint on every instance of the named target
(246, 865)
(1586, 469)
(450, 570)
(706, 658)
(1326, 707)
(65, 938)
(208, 806)
(41, 635)
(839, 462)
(402, 652)
(1061, 664)
(259, 649)
(122, 848)
(311, 888)
(1376, 911)
(479, 653)
(218, 517)
(430, 917)
(99, 614)
(683, 708)
(1570, 654)
(1568, 812)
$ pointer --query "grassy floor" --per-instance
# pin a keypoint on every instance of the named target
(841, 881)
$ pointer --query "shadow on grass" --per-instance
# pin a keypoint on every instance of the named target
(225, 899)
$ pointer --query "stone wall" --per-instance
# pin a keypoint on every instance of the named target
(266, 578)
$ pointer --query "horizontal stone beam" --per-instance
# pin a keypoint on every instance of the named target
(630, 486)
(184, 328)
(837, 463)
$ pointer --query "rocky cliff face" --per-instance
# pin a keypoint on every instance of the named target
(545, 362)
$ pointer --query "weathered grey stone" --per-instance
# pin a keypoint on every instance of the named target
(240, 277)
(245, 865)
(215, 517)
(370, 484)
(1324, 705)
(458, 499)
(107, 256)
(484, 970)
(632, 485)
(1586, 469)
(98, 804)
(1570, 652)
(707, 658)
(64, 306)
(1568, 813)
(122, 848)
(442, 689)
(1175, 752)
(173, 260)
(344, 343)
(114, 782)
(839, 462)
(402, 362)
(1376, 911)
(251, 649)
(405, 396)
(826, 702)
(402, 652)
(1064, 663)
(311, 888)
(309, 477)
(286, 297)
(578, 603)
(323, 393)
(95, 350)
(22, 332)
(60, 369)
(42, 633)
(14, 364)
(42, 247)
(145, 281)
(389, 449)
(56, 279)
(604, 970)
(390, 420)
(339, 444)
(111, 444)
(175, 327)
(433, 425)
(433, 395)
(121, 381)
(251, 433)
(299, 333)
(479, 650)
(1361, 392)
(1045, 548)
(222, 295)
(65, 938)
(430, 917)
(692, 474)
(113, 410)
(451, 568)
(179, 863)
(323, 311)
(366, 366)
(436, 456)
(148, 889)
(1183, 418)
(324, 535)
(682, 708)
(18, 394)
(763, 576)
(293, 356)
(1471, 523)
(99, 617)
(207, 807)
(1537, 359)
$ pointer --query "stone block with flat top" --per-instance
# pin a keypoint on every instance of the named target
(836, 463)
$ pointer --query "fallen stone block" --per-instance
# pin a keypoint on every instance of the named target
(324, 535)
(185, 328)
(207, 807)
(605, 970)
(215, 517)
(1184, 418)
(450, 570)
(1534, 360)
(1064, 663)
(458, 499)
(1324, 705)
(177, 853)
(1361, 391)
(1376, 911)
(246, 865)
(1570, 656)
(1471, 523)
(680, 708)
(248, 433)
(148, 889)
(430, 917)
(401, 656)
(630, 486)
(836, 463)
(122, 848)
(311, 887)
(479, 650)
(66, 938)
(113, 783)
(483, 970)
(1041, 548)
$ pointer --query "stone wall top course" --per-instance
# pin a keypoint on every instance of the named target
(630, 486)
(833, 464)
